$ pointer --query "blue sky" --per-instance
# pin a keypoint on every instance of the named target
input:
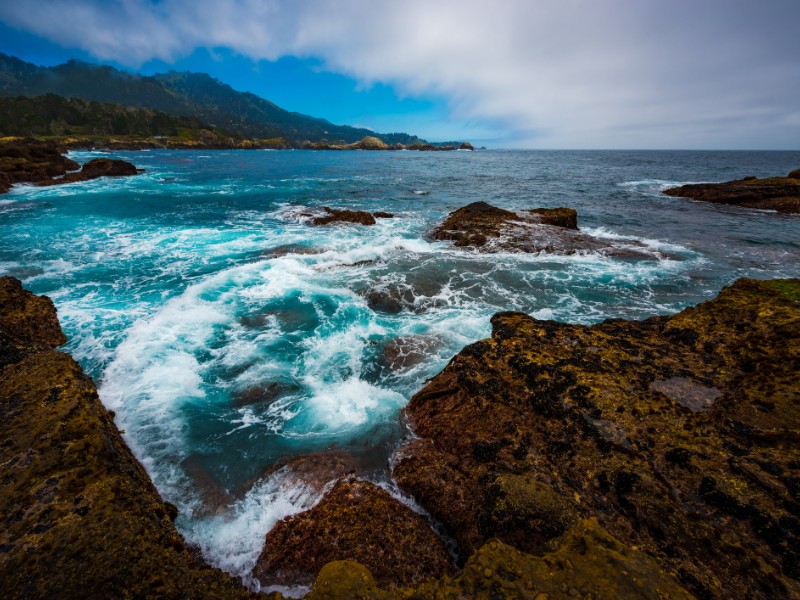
(545, 74)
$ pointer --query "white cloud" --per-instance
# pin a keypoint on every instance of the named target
(551, 73)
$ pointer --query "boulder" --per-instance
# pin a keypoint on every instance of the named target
(335, 215)
(678, 433)
(781, 194)
(560, 217)
(97, 167)
(551, 230)
(359, 521)
(372, 143)
(466, 146)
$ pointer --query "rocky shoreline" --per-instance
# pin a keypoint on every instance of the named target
(649, 459)
(781, 194)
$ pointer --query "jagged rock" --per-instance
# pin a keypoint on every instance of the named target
(781, 194)
(79, 517)
(491, 229)
(711, 494)
(466, 146)
(335, 215)
(356, 520)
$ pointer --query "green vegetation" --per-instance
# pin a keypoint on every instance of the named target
(196, 96)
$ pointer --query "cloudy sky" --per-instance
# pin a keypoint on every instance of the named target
(508, 73)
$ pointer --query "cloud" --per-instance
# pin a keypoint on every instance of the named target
(551, 73)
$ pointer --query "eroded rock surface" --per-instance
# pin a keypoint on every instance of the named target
(781, 194)
(679, 434)
(356, 520)
(552, 230)
(79, 517)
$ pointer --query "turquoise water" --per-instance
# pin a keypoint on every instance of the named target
(227, 333)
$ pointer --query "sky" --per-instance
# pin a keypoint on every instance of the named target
(694, 74)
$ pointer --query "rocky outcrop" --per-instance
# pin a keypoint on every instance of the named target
(30, 161)
(335, 215)
(781, 194)
(679, 434)
(586, 562)
(79, 517)
(466, 146)
(356, 520)
(551, 230)
(42, 163)
(97, 167)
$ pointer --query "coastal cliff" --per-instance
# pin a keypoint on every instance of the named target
(628, 459)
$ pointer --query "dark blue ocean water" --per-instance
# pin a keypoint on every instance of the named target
(227, 333)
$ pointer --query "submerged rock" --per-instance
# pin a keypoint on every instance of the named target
(679, 434)
(781, 194)
(79, 516)
(551, 230)
(356, 520)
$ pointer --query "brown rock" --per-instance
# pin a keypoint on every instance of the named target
(383, 215)
(97, 167)
(781, 194)
(356, 520)
(554, 231)
(678, 433)
(466, 146)
(79, 516)
(27, 318)
(560, 217)
(29, 161)
(344, 216)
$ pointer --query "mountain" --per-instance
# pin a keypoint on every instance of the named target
(196, 95)
(52, 115)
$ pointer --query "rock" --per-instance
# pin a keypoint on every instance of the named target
(560, 217)
(677, 433)
(781, 194)
(356, 520)
(107, 167)
(554, 231)
(466, 146)
(383, 215)
(405, 352)
(344, 216)
(97, 167)
(27, 318)
(585, 562)
(30, 161)
(79, 516)
(371, 143)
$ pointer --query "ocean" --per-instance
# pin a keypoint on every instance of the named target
(228, 334)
